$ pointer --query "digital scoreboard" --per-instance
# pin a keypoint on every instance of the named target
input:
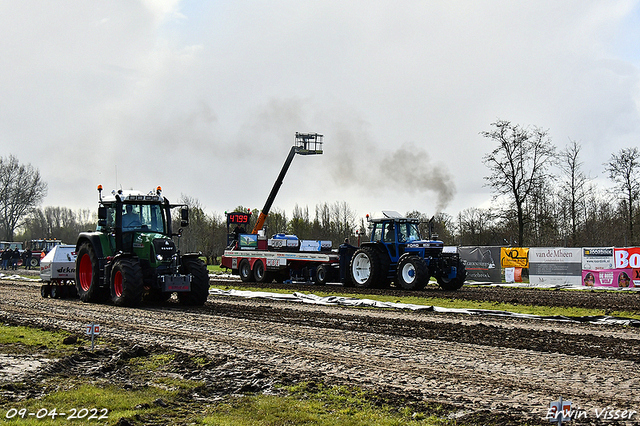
(238, 218)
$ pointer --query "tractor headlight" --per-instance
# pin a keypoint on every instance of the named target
(159, 257)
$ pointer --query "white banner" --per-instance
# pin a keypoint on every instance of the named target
(555, 265)
(597, 258)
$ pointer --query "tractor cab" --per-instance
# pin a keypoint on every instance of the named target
(401, 235)
(139, 224)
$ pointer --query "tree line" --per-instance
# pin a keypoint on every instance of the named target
(542, 197)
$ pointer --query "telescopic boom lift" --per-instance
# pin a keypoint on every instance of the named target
(305, 144)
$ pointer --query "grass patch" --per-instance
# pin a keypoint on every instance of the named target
(316, 404)
(446, 302)
(217, 269)
(20, 339)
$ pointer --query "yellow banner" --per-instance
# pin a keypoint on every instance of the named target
(514, 257)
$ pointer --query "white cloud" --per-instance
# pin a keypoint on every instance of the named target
(204, 98)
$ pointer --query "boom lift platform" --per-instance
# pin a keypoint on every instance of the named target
(305, 144)
(254, 257)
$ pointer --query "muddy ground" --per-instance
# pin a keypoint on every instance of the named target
(481, 369)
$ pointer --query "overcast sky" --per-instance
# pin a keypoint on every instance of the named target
(204, 97)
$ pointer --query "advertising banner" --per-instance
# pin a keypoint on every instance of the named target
(597, 258)
(482, 263)
(514, 257)
(555, 266)
(628, 257)
(619, 278)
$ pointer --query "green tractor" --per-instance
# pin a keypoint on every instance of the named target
(131, 254)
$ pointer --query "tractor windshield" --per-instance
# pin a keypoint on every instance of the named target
(408, 232)
(142, 217)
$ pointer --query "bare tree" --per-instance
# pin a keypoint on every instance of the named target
(57, 222)
(573, 191)
(518, 164)
(300, 224)
(344, 219)
(276, 222)
(624, 171)
(199, 236)
(21, 190)
(474, 226)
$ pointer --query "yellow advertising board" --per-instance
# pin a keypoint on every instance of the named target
(514, 257)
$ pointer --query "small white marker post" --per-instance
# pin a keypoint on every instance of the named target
(93, 330)
(558, 410)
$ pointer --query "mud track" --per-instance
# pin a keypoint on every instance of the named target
(475, 364)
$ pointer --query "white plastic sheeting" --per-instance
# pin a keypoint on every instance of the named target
(355, 302)
(553, 286)
(17, 278)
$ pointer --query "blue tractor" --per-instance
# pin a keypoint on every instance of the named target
(397, 252)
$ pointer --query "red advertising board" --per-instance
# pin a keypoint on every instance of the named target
(627, 257)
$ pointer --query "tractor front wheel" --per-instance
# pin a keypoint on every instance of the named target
(412, 272)
(199, 282)
(455, 283)
(126, 283)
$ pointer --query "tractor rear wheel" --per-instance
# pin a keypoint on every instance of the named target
(126, 283)
(245, 271)
(455, 283)
(45, 290)
(260, 273)
(199, 282)
(34, 262)
(412, 272)
(88, 275)
(366, 268)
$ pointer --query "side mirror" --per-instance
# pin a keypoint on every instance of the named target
(184, 217)
(102, 216)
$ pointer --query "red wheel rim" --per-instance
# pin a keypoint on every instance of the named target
(117, 283)
(85, 272)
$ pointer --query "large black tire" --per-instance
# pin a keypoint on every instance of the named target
(126, 282)
(260, 273)
(412, 272)
(199, 282)
(34, 262)
(456, 282)
(244, 269)
(366, 268)
(322, 274)
(88, 276)
(45, 290)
